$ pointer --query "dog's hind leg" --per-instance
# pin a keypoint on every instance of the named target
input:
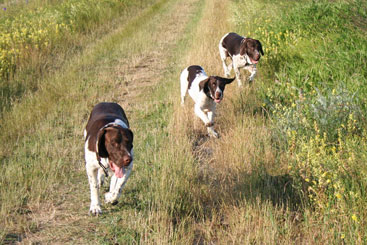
(223, 56)
(184, 85)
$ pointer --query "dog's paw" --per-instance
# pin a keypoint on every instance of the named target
(212, 133)
(110, 198)
(251, 78)
(95, 209)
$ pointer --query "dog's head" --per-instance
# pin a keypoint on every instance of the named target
(214, 87)
(116, 143)
(252, 48)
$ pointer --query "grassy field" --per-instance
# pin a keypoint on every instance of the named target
(288, 168)
(38, 37)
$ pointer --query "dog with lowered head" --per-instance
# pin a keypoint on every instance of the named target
(108, 150)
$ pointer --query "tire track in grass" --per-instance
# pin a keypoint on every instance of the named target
(39, 150)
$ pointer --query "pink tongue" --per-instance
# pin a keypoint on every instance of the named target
(254, 61)
(116, 169)
(217, 101)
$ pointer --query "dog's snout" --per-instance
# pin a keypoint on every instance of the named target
(218, 94)
(126, 159)
(257, 56)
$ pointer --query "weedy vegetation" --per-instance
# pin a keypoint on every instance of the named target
(289, 167)
(37, 37)
(314, 94)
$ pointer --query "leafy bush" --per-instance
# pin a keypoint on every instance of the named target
(331, 113)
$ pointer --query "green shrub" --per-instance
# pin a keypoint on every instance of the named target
(331, 113)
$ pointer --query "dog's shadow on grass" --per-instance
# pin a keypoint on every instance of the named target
(129, 199)
(258, 185)
(278, 189)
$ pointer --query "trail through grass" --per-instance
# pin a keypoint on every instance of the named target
(109, 64)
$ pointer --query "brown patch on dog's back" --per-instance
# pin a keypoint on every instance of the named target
(232, 43)
(193, 72)
(102, 114)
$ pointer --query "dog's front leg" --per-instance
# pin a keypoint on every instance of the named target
(237, 72)
(100, 177)
(252, 69)
(117, 185)
(95, 205)
(208, 122)
(201, 114)
(210, 125)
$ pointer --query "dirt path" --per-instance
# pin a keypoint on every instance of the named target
(67, 220)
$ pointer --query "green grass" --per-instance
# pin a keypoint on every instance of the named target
(313, 85)
(50, 121)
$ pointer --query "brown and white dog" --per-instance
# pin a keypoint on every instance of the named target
(244, 52)
(205, 91)
(108, 146)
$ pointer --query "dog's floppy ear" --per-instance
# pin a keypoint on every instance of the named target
(261, 47)
(100, 143)
(228, 80)
(130, 136)
(203, 84)
(243, 47)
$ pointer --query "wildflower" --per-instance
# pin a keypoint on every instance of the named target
(338, 196)
(342, 236)
(354, 217)
(4, 9)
